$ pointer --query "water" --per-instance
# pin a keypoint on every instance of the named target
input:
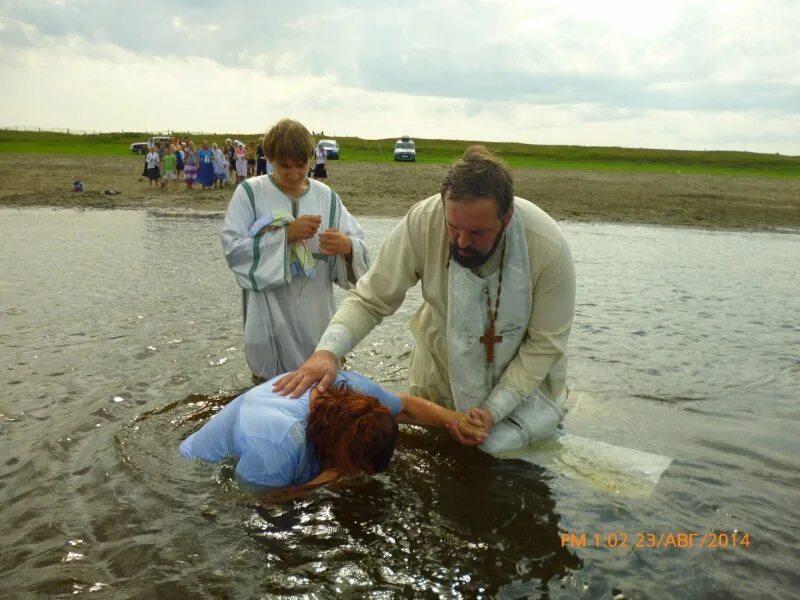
(116, 325)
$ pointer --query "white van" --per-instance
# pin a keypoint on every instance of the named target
(142, 147)
(405, 149)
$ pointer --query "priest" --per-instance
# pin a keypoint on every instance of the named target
(498, 285)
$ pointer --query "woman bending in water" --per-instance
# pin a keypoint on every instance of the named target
(280, 442)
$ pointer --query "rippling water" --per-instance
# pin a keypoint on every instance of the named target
(118, 325)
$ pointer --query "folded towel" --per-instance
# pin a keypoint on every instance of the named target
(301, 259)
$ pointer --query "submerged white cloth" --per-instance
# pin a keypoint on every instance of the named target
(284, 314)
(418, 249)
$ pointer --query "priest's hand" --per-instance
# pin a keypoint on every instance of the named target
(333, 242)
(303, 227)
(474, 427)
(321, 366)
(481, 418)
(466, 432)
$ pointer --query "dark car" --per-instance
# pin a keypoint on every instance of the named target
(140, 147)
(331, 148)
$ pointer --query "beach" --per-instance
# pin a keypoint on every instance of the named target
(389, 189)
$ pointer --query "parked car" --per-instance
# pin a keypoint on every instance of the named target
(331, 149)
(405, 149)
(142, 147)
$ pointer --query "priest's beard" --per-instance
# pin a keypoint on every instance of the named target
(470, 260)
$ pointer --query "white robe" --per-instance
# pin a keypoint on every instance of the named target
(285, 315)
(418, 250)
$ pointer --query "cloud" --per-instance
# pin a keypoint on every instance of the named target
(458, 69)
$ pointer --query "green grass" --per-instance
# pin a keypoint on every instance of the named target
(587, 157)
(445, 151)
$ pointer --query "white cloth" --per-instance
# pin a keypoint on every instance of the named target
(285, 315)
(537, 416)
(418, 249)
(153, 160)
(320, 155)
(468, 302)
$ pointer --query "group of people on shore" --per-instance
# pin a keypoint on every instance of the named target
(489, 362)
(179, 160)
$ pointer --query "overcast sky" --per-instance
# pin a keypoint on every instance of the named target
(669, 74)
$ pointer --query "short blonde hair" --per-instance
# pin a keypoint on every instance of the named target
(288, 139)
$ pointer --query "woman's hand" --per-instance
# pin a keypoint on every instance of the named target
(281, 495)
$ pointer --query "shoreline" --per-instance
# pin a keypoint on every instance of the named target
(709, 202)
(193, 213)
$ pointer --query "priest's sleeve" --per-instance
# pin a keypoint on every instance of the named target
(541, 357)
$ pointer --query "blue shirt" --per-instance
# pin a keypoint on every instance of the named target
(266, 433)
(206, 155)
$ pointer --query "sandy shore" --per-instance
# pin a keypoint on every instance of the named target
(676, 199)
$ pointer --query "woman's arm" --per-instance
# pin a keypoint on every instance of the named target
(418, 411)
(299, 491)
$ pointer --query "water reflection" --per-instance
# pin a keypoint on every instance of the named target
(428, 525)
(442, 519)
(119, 325)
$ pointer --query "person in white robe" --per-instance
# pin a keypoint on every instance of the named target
(288, 239)
(498, 285)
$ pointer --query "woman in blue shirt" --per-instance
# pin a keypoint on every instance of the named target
(205, 173)
(281, 442)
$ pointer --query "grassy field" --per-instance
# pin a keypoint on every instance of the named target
(445, 151)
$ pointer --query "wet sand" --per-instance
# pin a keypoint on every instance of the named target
(389, 189)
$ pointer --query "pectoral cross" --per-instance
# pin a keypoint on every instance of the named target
(490, 339)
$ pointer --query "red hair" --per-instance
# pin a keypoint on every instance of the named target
(356, 429)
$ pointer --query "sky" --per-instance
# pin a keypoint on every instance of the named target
(715, 75)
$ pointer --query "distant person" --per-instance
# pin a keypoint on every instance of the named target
(77, 186)
(230, 154)
(205, 172)
(240, 154)
(288, 239)
(170, 167)
(153, 171)
(190, 168)
(179, 162)
(498, 288)
(261, 158)
(320, 157)
(220, 166)
(279, 443)
(251, 159)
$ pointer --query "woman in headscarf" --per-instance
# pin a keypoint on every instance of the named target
(220, 166)
(205, 173)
